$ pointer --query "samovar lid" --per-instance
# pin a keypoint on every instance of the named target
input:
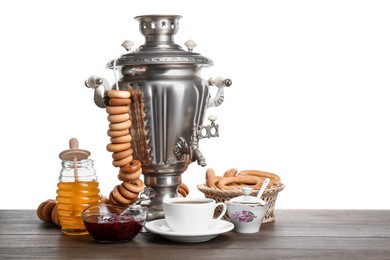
(159, 46)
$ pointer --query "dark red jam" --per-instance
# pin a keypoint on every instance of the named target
(112, 229)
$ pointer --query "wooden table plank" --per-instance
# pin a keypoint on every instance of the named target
(296, 234)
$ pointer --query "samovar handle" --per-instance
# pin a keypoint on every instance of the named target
(220, 83)
(101, 86)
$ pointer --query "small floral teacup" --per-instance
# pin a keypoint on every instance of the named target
(247, 218)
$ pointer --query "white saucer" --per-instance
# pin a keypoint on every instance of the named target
(161, 227)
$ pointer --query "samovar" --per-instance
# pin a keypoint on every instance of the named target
(168, 106)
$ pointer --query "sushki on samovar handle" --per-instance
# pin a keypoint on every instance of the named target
(101, 86)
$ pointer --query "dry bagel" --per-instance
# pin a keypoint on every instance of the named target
(113, 93)
(119, 101)
(122, 162)
(134, 166)
(44, 210)
(184, 187)
(118, 147)
(237, 182)
(120, 126)
(114, 110)
(182, 192)
(274, 178)
(127, 194)
(118, 118)
(231, 172)
(113, 133)
(209, 173)
(112, 201)
(123, 154)
(213, 181)
(54, 216)
(129, 176)
(134, 186)
(121, 139)
(119, 197)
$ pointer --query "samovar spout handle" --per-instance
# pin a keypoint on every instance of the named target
(220, 83)
(101, 86)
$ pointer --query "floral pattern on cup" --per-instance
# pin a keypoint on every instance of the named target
(244, 216)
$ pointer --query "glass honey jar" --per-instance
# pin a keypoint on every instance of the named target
(78, 188)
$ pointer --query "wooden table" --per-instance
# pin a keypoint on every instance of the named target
(296, 234)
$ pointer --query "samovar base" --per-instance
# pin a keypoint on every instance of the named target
(166, 186)
(155, 212)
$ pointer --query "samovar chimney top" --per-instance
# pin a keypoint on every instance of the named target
(159, 47)
(158, 28)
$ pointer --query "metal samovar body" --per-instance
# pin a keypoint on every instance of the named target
(169, 100)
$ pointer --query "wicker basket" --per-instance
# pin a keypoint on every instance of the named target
(269, 196)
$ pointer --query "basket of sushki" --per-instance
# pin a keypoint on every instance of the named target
(230, 184)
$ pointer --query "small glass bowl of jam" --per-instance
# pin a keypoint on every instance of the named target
(106, 224)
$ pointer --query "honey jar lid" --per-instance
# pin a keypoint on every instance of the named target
(74, 153)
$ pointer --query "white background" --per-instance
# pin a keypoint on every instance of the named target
(309, 99)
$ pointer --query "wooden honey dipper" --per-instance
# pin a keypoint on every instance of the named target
(74, 154)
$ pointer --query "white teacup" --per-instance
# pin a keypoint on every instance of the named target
(191, 215)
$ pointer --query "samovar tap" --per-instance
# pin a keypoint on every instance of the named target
(195, 153)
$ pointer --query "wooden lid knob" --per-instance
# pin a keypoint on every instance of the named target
(74, 152)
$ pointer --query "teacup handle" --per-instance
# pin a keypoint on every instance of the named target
(223, 209)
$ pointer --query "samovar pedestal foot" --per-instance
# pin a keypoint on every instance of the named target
(155, 212)
(166, 186)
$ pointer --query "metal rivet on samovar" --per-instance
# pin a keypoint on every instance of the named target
(168, 106)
